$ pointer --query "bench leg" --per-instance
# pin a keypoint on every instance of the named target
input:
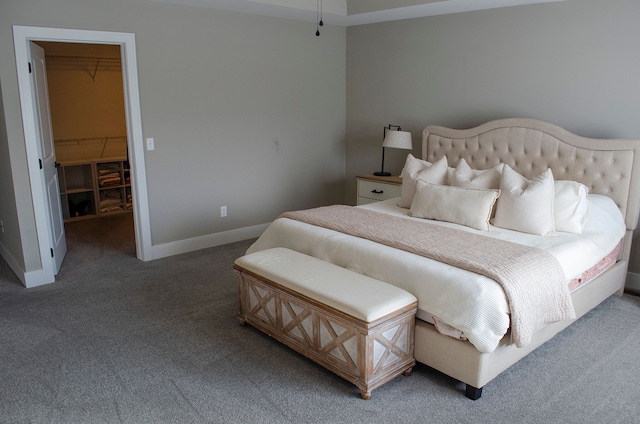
(473, 393)
(365, 394)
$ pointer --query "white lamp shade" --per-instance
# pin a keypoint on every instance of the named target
(398, 140)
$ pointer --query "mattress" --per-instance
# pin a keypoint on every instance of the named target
(461, 300)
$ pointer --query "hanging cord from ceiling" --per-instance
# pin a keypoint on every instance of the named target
(318, 17)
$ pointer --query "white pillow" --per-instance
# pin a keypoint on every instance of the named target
(413, 164)
(463, 206)
(525, 206)
(571, 206)
(415, 169)
(464, 176)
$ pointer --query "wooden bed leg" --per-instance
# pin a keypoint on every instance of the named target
(472, 392)
(241, 320)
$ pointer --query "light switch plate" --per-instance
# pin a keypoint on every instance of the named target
(151, 144)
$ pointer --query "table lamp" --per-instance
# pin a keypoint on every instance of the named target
(395, 138)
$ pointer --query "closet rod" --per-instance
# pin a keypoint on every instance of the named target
(88, 139)
(112, 59)
(60, 62)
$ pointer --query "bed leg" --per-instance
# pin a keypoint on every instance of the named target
(472, 392)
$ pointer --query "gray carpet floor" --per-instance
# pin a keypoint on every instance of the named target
(116, 340)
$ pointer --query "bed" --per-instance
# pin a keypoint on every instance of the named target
(529, 148)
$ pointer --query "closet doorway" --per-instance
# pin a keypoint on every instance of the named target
(87, 109)
(24, 37)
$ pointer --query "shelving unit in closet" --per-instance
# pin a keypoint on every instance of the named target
(91, 189)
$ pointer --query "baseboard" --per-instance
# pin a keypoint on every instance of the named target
(38, 277)
(632, 284)
(203, 242)
(12, 263)
(28, 279)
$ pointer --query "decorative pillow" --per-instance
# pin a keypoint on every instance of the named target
(571, 206)
(464, 176)
(469, 207)
(413, 164)
(415, 169)
(524, 205)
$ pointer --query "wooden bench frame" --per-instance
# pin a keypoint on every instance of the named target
(367, 354)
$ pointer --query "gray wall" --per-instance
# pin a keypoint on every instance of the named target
(246, 111)
(9, 235)
(574, 63)
(249, 111)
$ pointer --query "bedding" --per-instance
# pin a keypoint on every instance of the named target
(532, 279)
(470, 303)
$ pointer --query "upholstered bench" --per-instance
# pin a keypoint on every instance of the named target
(357, 327)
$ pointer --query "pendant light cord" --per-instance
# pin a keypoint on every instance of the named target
(319, 22)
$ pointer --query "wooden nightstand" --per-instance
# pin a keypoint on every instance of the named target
(373, 189)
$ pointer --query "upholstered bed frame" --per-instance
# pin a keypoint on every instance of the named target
(607, 167)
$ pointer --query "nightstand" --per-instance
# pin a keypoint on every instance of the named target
(372, 188)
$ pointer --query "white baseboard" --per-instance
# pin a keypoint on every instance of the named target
(203, 242)
(27, 278)
(38, 277)
(633, 282)
(12, 263)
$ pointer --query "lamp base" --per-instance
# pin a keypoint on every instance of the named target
(382, 174)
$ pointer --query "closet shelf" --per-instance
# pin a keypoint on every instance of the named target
(91, 148)
(92, 189)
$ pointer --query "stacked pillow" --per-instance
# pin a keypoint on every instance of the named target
(416, 169)
(464, 176)
(470, 197)
(524, 205)
(469, 207)
(570, 206)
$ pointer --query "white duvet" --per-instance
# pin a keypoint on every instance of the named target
(470, 303)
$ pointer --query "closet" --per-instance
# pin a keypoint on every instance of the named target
(86, 99)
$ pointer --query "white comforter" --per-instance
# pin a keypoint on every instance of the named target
(471, 303)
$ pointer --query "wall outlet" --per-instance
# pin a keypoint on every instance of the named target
(223, 211)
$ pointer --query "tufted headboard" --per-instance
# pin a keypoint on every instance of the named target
(608, 167)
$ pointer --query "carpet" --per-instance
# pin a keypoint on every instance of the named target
(117, 340)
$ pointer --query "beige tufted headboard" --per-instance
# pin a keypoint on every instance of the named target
(608, 167)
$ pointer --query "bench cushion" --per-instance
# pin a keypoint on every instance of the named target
(354, 294)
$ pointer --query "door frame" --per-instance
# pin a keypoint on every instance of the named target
(22, 36)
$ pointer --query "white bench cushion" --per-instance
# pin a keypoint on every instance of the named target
(354, 294)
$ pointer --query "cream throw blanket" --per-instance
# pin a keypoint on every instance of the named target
(532, 279)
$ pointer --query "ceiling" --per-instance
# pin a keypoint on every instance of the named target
(353, 12)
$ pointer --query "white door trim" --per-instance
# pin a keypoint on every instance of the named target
(22, 35)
